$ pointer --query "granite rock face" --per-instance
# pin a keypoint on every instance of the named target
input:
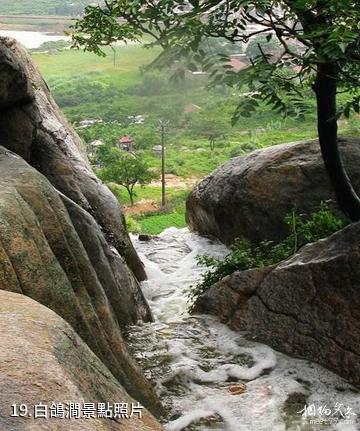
(307, 306)
(250, 196)
(32, 126)
(63, 241)
(56, 254)
(43, 360)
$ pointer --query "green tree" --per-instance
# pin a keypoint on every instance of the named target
(210, 125)
(259, 45)
(124, 169)
(329, 60)
(144, 135)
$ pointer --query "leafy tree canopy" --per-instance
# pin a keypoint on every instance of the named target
(260, 44)
(320, 49)
(124, 169)
(323, 31)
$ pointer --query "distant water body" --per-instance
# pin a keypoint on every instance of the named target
(32, 39)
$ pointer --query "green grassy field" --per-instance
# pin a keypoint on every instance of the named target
(113, 88)
(72, 64)
(174, 195)
(87, 86)
(154, 223)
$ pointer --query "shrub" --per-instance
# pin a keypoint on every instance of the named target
(132, 225)
(235, 152)
(173, 170)
(244, 148)
(244, 255)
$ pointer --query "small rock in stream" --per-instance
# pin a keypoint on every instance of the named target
(145, 238)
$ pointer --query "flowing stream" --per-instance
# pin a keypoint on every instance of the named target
(211, 378)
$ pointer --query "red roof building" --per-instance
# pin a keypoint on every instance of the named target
(126, 143)
(237, 64)
(125, 140)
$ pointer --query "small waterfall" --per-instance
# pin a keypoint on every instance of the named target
(211, 378)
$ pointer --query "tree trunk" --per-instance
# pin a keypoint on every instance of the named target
(131, 195)
(325, 88)
(163, 181)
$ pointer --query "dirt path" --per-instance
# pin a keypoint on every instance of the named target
(151, 205)
(142, 207)
(177, 182)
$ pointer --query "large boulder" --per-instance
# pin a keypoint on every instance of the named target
(32, 126)
(15, 88)
(53, 251)
(307, 306)
(42, 360)
(250, 196)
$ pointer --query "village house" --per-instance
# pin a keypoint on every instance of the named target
(126, 144)
(238, 62)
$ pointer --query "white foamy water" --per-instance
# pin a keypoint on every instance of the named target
(32, 39)
(196, 362)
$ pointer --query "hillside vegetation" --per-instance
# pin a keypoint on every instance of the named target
(114, 88)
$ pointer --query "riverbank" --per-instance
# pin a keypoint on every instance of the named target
(53, 24)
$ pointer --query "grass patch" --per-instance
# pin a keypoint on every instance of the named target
(154, 223)
(157, 223)
(174, 196)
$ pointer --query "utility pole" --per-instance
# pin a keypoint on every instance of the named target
(114, 58)
(163, 124)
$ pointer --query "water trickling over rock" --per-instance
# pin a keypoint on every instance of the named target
(209, 377)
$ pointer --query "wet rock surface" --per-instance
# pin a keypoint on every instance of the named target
(307, 306)
(210, 377)
(45, 256)
(51, 364)
(63, 241)
(250, 196)
(32, 126)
